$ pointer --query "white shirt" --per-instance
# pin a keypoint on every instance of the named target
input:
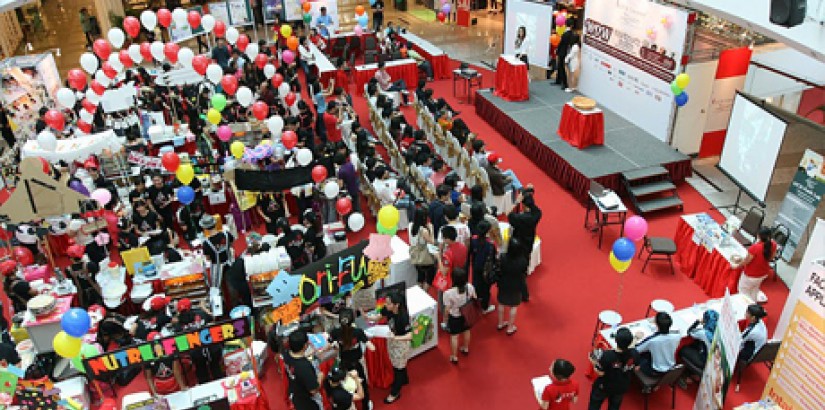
(307, 55)
(462, 232)
(758, 335)
(385, 191)
(662, 348)
(453, 301)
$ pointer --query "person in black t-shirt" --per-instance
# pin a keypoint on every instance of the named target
(398, 344)
(304, 379)
(147, 223)
(339, 397)
(82, 272)
(349, 341)
(18, 290)
(614, 368)
(163, 376)
(8, 355)
(140, 191)
(161, 197)
(270, 208)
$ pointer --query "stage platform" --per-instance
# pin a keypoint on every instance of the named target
(531, 126)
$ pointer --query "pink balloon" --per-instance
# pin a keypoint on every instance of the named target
(288, 56)
(635, 228)
(224, 133)
(561, 19)
(102, 196)
(358, 30)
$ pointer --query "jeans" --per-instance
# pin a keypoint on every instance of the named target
(377, 21)
(427, 68)
(399, 379)
(514, 183)
(598, 395)
(400, 86)
(646, 366)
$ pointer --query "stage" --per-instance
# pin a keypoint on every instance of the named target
(531, 126)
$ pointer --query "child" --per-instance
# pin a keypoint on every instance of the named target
(563, 391)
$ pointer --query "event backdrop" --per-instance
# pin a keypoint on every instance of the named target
(537, 20)
(632, 51)
(814, 252)
(804, 195)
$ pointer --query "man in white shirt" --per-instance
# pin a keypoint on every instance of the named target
(385, 82)
(658, 350)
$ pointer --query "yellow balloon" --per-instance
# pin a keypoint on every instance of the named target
(559, 30)
(185, 174)
(682, 80)
(237, 149)
(618, 265)
(214, 116)
(286, 30)
(388, 216)
(66, 346)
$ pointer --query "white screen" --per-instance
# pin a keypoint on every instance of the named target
(536, 18)
(751, 146)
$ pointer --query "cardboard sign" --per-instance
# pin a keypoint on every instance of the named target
(139, 355)
(334, 275)
(288, 312)
(144, 161)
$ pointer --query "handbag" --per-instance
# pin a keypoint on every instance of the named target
(420, 255)
(441, 281)
(471, 311)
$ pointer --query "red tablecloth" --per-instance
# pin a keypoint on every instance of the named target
(511, 81)
(258, 403)
(407, 72)
(341, 79)
(580, 129)
(440, 63)
(710, 270)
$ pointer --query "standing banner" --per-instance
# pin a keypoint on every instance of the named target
(721, 360)
(797, 379)
(185, 31)
(631, 52)
(804, 195)
(730, 77)
(815, 251)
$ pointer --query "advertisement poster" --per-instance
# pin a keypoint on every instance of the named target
(240, 13)
(272, 9)
(220, 11)
(721, 360)
(632, 51)
(804, 195)
(797, 380)
(185, 31)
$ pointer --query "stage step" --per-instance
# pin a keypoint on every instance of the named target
(659, 204)
(644, 173)
(652, 188)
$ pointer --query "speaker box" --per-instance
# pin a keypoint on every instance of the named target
(788, 13)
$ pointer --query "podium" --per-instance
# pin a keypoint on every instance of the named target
(511, 79)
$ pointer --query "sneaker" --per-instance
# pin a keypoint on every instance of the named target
(568, 90)
(490, 309)
(444, 326)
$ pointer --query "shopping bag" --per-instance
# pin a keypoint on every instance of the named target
(441, 281)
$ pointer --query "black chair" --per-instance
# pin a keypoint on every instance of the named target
(370, 57)
(396, 55)
(370, 44)
(339, 45)
(780, 235)
(669, 379)
(766, 355)
(355, 44)
(750, 226)
(658, 248)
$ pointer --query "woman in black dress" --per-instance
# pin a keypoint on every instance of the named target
(513, 277)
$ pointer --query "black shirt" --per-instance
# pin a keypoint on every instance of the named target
(302, 377)
(399, 323)
(217, 247)
(618, 368)
(135, 195)
(161, 195)
(145, 223)
(354, 353)
(339, 397)
(272, 207)
(9, 354)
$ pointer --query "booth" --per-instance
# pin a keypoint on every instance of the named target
(29, 83)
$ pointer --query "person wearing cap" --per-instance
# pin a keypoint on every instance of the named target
(218, 245)
(755, 334)
(614, 369)
(154, 317)
(422, 63)
(338, 395)
(164, 376)
(82, 271)
(500, 180)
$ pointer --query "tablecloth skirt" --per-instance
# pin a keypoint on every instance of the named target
(710, 270)
(259, 403)
(511, 81)
(581, 130)
(341, 79)
(408, 72)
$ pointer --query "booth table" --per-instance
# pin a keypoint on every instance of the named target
(581, 128)
(708, 264)
(438, 58)
(511, 79)
(401, 268)
(405, 69)
(186, 399)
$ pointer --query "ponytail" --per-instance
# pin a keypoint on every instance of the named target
(767, 244)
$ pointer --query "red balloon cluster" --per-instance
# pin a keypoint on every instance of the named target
(131, 25)
(108, 70)
(261, 60)
(97, 87)
(290, 139)
(194, 19)
(146, 50)
(89, 106)
(102, 48)
(290, 98)
(55, 119)
(219, 29)
(242, 42)
(277, 80)
(229, 83)
(260, 110)
(170, 161)
(125, 59)
(77, 79)
(319, 173)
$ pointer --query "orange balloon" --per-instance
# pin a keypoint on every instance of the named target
(292, 43)
(359, 10)
(555, 39)
(307, 7)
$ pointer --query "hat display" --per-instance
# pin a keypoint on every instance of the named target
(158, 302)
(184, 305)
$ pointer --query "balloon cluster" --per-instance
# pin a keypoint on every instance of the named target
(635, 228)
(185, 174)
(561, 24)
(678, 87)
(307, 17)
(446, 7)
(74, 324)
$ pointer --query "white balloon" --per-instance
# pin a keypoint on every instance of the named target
(275, 124)
(232, 35)
(157, 51)
(88, 62)
(66, 97)
(252, 51)
(102, 79)
(149, 19)
(356, 221)
(116, 37)
(208, 23)
(79, 95)
(244, 96)
(47, 140)
(269, 71)
(331, 189)
(86, 116)
(92, 96)
(304, 156)
(185, 56)
(214, 73)
(179, 16)
(134, 53)
(114, 61)
(283, 89)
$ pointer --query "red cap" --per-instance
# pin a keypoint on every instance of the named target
(152, 336)
(158, 303)
(91, 163)
(184, 305)
(76, 251)
(493, 158)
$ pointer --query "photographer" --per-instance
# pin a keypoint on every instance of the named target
(524, 224)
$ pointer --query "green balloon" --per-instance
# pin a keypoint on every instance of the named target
(219, 102)
(675, 88)
(307, 18)
(385, 231)
(86, 351)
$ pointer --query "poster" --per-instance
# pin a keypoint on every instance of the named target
(721, 360)
(220, 11)
(240, 13)
(272, 9)
(813, 252)
(804, 194)
(797, 380)
(185, 32)
(632, 50)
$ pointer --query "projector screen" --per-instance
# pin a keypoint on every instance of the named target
(751, 146)
(537, 20)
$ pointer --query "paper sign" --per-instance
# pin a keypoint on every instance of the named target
(287, 313)
(283, 288)
(539, 383)
(8, 382)
(377, 270)
(379, 247)
(144, 161)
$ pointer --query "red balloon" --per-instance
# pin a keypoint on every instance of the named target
(108, 70)
(131, 26)
(77, 79)
(441, 16)
(124, 58)
(89, 106)
(261, 60)
(319, 173)
(277, 80)
(146, 50)
(220, 29)
(170, 50)
(164, 17)
(343, 205)
(260, 110)
(55, 119)
(200, 63)
(194, 19)
(102, 48)
(170, 161)
(7, 267)
(47, 168)
(289, 139)
(243, 41)
(84, 126)
(97, 87)
(290, 98)
(23, 255)
(229, 83)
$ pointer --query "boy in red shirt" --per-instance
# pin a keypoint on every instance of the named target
(453, 255)
(564, 391)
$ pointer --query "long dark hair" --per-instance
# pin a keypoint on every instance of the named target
(346, 317)
(460, 280)
(397, 298)
(767, 245)
(419, 220)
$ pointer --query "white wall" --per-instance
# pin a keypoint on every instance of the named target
(690, 119)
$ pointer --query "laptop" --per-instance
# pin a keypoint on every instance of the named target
(597, 189)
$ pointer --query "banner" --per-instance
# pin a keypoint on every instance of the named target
(804, 195)
(815, 251)
(138, 355)
(730, 77)
(272, 181)
(144, 160)
(797, 380)
(721, 360)
(632, 50)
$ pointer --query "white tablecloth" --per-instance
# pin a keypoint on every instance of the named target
(388, 64)
(424, 44)
(321, 60)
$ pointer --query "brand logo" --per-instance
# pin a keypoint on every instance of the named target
(598, 30)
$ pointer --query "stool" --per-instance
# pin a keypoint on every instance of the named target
(607, 318)
(659, 305)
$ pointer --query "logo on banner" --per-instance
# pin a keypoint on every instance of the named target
(144, 161)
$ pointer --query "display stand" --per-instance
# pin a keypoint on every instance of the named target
(424, 317)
